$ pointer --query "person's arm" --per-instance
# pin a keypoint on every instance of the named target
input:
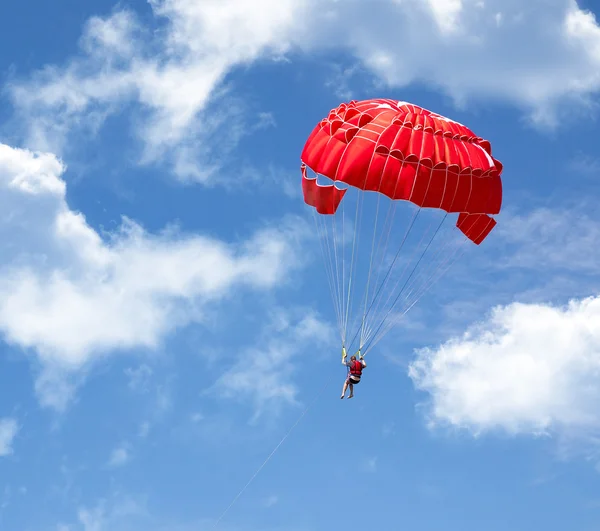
(362, 360)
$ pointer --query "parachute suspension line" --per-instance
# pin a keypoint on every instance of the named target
(442, 257)
(337, 276)
(381, 312)
(387, 309)
(438, 272)
(424, 287)
(400, 293)
(462, 247)
(383, 283)
(354, 316)
(357, 225)
(343, 253)
(459, 251)
(330, 271)
(386, 289)
(329, 245)
(429, 269)
(287, 434)
(346, 271)
(322, 235)
(386, 232)
(362, 328)
(380, 306)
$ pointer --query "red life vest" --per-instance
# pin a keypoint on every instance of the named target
(356, 368)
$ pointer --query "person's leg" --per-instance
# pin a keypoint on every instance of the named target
(344, 388)
(351, 391)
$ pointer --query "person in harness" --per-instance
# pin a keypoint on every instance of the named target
(355, 369)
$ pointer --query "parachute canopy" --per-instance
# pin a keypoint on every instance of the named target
(408, 155)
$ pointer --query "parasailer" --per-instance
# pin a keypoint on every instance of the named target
(355, 368)
(368, 157)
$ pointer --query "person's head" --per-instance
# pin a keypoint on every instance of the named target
(352, 358)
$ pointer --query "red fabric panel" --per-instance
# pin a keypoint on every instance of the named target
(475, 226)
(325, 198)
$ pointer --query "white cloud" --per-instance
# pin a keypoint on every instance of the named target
(264, 376)
(370, 464)
(70, 296)
(271, 501)
(121, 511)
(446, 13)
(119, 456)
(118, 512)
(526, 369)
(551, 238)
(160, 398)
(139, 378)
(172, 73)
(144, 429)
(388, 428)
(540, 55)
(164, 400)
(582, 27)
(8, 431)
(585, 164)
(196, 417)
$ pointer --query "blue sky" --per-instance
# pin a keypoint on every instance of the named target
(164, 309)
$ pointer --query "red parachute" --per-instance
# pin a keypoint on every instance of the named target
(402, 152)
